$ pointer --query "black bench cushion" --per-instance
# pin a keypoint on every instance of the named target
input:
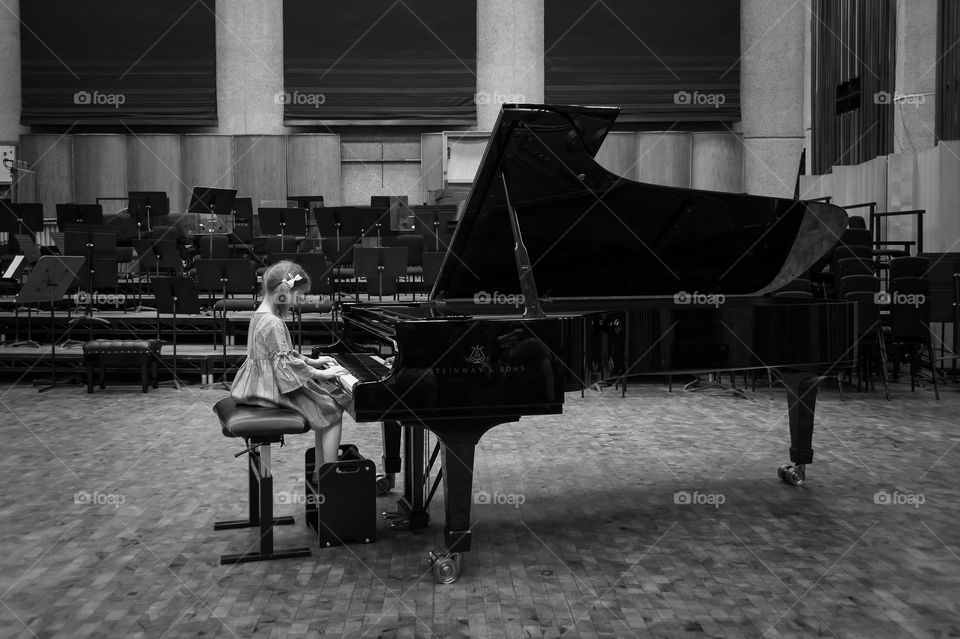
(121, 351)
(241, 420)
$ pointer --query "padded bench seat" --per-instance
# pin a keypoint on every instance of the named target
(122, 353)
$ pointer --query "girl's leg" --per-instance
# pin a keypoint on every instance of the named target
(326, 447)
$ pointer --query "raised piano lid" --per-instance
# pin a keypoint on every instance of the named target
(593, 234)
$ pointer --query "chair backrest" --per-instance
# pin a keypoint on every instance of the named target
(240, 274)
(909, 309)
(853, 266)
(214, 247)
(281, 244)
(847, 251)
(414, 244)
(381, 267)
(316, 267)
(908, 267)
(801, 285)
(859, 284)
(342, 256)
(431, 267)
(856, 237)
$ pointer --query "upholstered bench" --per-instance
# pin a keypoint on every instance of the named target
(121, 353)
(259, 427)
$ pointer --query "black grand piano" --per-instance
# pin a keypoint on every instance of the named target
(548, 242)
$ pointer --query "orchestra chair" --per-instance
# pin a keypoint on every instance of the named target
(856, 237)
(863, 290)
(381, 267)
(339, 254)
(432, 261)
(242, 221)
(800, 288)
(414, 244)
(259, 427)
(910, 325)
(909, 267)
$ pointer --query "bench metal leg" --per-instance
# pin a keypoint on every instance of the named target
(261, 514)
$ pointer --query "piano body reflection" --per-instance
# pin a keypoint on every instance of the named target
(550, 241)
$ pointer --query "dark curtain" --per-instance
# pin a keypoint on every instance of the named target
(948, 71)
(853, 45)
(379, 61)
(112, 62)
(659, 61)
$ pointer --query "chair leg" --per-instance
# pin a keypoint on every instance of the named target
(103, 375)
(143, 376)
(882, 347)
(933, 370)
(90, 376)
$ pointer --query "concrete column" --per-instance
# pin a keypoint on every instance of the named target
(10, 101)
(914, 120)
(509, 56)
(249, 67)
(772, 94)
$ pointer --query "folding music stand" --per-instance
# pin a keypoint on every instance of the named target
(48, 282)
(233, 276)
(155, 254)
(207, 199)
(431, 221)
(144, 205)
(68, 214)
(30, 250)
(380, 266)
(175, 295)
(281, 222)
(22, 218)
(306, 201)
(99, 247)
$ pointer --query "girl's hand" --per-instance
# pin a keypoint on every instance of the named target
(324, 360)
(330, 373)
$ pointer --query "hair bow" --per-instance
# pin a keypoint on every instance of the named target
(292, 280)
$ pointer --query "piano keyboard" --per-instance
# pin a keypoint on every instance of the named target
(361, 367)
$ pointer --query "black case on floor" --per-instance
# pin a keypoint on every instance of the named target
(343, 508)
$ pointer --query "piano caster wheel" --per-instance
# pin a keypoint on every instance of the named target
(791, 474)
(446, 566)
(385, 484)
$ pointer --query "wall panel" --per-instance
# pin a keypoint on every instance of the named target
(261, 167)
(153, 164)
(206, 160)
(717, 162)
(664, 158)
(51, 157)
(100, 169)
(313, 166)
(618, 154)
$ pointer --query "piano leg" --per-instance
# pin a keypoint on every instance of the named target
(391, 457)
(801, 405)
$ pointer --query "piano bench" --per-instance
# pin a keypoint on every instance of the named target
(119, 353)
(259, 427)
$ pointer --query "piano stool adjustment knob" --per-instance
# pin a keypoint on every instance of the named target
(791, 474)
(385, 483)
(446, 566)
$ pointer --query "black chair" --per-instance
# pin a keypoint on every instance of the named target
(909, 267)
(856, 237)
(214, 247)
(432, 261)
(381, 267)
(414, 244)
(864, 291)
(339, 254)
(799, 288)
(910, 325)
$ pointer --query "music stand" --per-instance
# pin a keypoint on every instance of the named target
(68, 214)
(207, 199)
(234, 276)
(24, 218)
(175, 295)
(27, 247)
(430, 220)
(48, 281)
(280, 222)
(155, 254)
(306, 201)
(99, 246)
(144, 205)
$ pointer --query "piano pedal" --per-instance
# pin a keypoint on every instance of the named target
(385, 483)
(791, 474)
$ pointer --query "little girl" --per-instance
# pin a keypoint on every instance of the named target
(276, 375)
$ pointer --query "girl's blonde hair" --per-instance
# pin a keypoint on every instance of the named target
(288, 280)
